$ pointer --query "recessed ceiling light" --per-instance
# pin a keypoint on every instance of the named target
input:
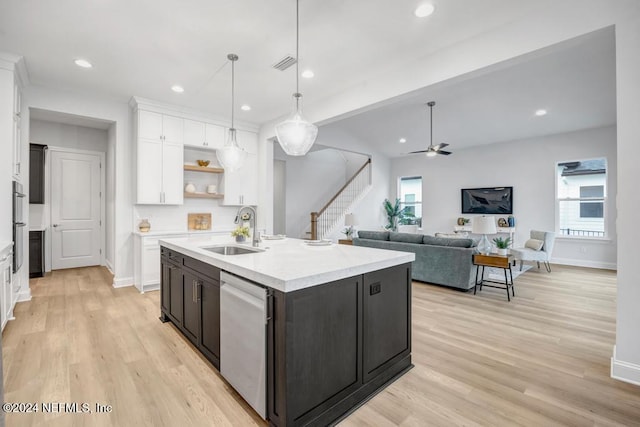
(307, 74)
(424, 10)
(541, 112)
(402, 140)
(246, 107)
(177, 89)
(83, 63)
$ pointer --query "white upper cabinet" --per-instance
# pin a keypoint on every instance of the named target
(159, 158)
(203, 135)
(17, 126)
(241, 186)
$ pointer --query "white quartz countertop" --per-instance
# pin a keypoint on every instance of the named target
(5, 247)
(290, 264)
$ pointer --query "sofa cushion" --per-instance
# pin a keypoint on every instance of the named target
(463, 235)
(446, 241)
(373, 235)
(405, 237)
(534, 244)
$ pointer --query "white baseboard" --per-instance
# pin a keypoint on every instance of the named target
(624, 371)
(109, 266)
(24, 295)
(122, 282)
(585, 263)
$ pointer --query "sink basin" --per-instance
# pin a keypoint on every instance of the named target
(232, 249)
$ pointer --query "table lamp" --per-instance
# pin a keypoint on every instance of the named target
(484, 225)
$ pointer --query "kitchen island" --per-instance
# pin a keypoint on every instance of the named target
(337, 324)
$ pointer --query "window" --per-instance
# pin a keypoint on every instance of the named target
(581, 196)
(592, 209)
(411, 199)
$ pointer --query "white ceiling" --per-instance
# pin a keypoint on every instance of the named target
(144, 47)
(574, 81)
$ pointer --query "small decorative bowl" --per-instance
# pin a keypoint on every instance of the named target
(203, 163)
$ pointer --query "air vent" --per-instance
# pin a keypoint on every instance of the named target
(285, 63)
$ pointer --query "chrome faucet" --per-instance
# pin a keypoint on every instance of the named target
(253, 222)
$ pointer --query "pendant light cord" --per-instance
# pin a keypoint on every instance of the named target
(233, 85)
(297, 94)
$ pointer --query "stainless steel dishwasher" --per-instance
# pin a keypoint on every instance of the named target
(243, 339)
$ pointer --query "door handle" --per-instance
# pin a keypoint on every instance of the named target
(56, 225)
(194, 291)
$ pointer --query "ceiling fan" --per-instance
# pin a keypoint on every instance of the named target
(432, 150)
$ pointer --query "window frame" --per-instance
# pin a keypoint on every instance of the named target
(603, 199)
(415, 203)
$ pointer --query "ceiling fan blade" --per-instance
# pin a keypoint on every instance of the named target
(440, 146)
(418, 152)
(446, 153)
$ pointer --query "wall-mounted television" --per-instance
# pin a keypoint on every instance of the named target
(496, 201)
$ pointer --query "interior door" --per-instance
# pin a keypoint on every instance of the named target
(75, 210)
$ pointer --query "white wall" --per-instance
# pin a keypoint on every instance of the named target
(529, 167)
(626, 357)
(118, 113)
(369, 213)
(63, 136)
(279, 197)
(110, 206)
(311, 182)
(68, 136)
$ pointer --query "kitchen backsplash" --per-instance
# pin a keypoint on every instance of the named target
(175, 218)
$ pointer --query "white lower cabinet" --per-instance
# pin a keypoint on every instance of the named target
(6, 291)
(146, 260)
(240, 187)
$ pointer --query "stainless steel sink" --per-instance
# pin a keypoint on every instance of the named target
(232, 249)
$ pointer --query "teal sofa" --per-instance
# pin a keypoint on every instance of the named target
(439, 260)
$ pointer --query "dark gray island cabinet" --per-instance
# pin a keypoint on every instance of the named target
(329, 347)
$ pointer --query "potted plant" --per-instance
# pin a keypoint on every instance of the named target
(394, 214)
(240, 233)
(502, 244)
(349, 232)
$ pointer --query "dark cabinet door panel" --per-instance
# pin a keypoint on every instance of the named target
(176, 292)
(36, 253)
(36, 173)
(323, 346)
(210, 327)
(191, 312)
(387, 295)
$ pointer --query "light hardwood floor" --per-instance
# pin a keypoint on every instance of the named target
(542, 359)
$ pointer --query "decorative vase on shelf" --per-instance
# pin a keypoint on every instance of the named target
(190, 188)
(502, 251)
(144, 226)
(512, 221)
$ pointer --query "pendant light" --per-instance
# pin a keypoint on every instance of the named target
(231, 156)
(295, 134)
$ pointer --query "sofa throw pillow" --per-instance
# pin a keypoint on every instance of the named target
(405, 237)
(373, 235)
(534, 244)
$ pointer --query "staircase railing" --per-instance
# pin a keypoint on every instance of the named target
(327, 218)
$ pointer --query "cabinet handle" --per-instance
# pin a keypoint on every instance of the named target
(193, 291)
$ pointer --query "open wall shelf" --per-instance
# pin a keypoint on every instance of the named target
(194, 168)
